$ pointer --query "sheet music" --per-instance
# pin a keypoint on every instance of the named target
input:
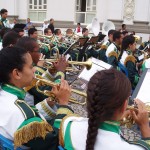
(144, 91)
(97, 65)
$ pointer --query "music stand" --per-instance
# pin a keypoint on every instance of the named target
(93, 40)
(81, 42)
(142, 89)
(97, 65)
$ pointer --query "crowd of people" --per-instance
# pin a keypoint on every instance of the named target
(34, 120)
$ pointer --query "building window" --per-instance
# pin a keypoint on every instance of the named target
(85, 11)
(37, 10)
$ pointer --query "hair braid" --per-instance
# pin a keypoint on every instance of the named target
(103, 100)
(93, 115)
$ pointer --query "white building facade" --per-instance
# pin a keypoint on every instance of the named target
(134, 13)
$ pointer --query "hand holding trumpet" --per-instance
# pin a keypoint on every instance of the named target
(140, 115)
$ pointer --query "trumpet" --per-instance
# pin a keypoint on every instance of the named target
(41, 81)
(87, 64)
(129, 121)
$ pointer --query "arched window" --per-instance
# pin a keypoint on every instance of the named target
(37, 10)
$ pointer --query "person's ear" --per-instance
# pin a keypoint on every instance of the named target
(130, 45)
(16, 74)
(124, 107)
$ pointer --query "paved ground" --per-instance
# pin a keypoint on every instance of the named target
(130, 134)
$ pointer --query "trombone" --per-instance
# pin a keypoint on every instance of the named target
(41, 81)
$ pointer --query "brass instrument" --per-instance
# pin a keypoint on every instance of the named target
(87, 64)
(129, 121)
(50, 65)
(44, 44)
(41, 81)
(46, 36)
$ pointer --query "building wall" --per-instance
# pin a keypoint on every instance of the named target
(142, 10)
(22, 9)
(64, 10)
(61, 10)
(11, 7)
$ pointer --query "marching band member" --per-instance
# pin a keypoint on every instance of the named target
(10, 39)
(102, 52)
(89, 51)
(32, 32)
(145, 44)
(33, 48)
(48, 32)
(128, 60)
(107, 99)
(4, 22)
(19, 122)
(59, 41)
(113, 51)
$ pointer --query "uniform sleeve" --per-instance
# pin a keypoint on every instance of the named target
(112, 60)
(132, 73)
(102, 55)
(47, 112)
(51, 140)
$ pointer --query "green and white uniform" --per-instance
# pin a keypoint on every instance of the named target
(4, 23)
(74, 134)
(24, 124)
(129, 61)
(112, 54)
(34, 97)
(102, 52)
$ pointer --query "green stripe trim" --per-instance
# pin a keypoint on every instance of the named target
(20, 93)
(141, 143)
(136, 79)
(67, 139)
(112, 126)
(57, 123)
(28, 121)
(143, 66)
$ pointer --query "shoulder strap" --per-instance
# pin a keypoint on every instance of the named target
(26, 110)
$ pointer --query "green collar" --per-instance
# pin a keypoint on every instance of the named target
(129, 51)
(3, 19)
(20, 93)
(112, 126)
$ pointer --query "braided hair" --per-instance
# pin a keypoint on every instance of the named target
(107, 91)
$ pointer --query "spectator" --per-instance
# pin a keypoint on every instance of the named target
(51, 25)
